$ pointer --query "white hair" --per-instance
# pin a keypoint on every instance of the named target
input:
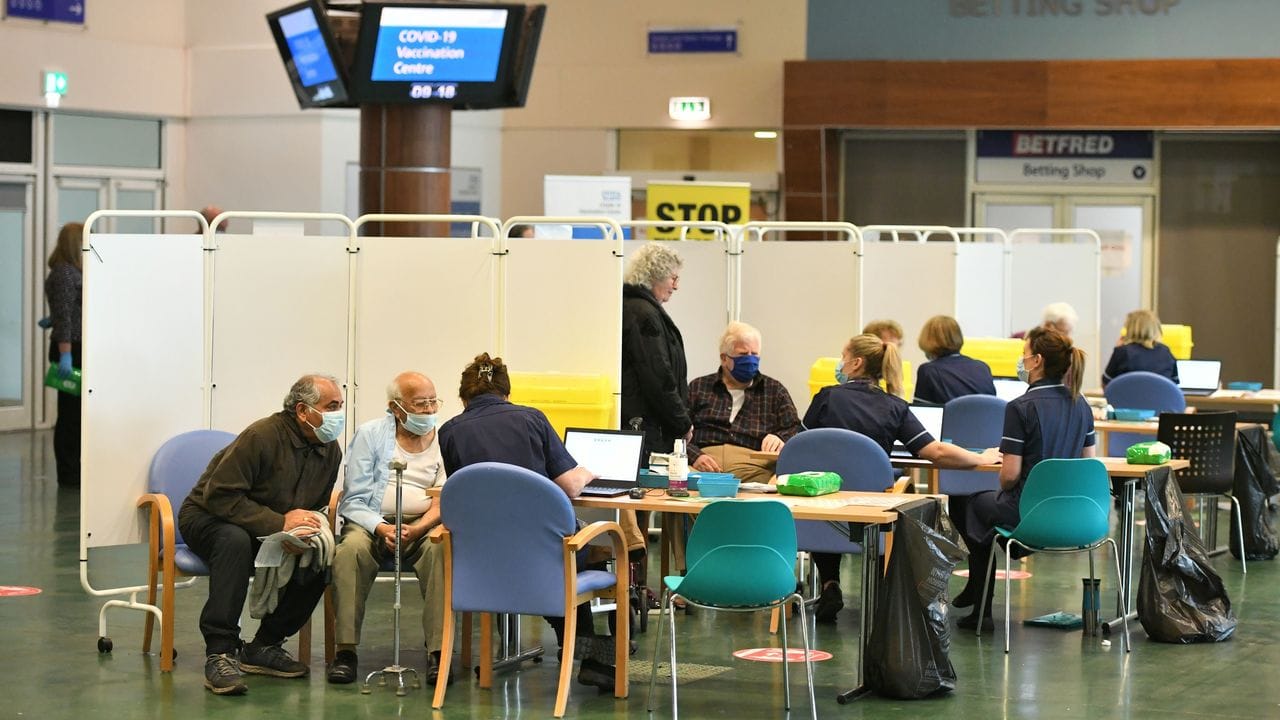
(737, 332)
(394, 392)
(1061, 313)
(652, 264)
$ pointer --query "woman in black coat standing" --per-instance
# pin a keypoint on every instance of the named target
(655, 383)
(62, 289)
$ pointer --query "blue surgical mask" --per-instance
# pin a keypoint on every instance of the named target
(417, 423)
(745, 368)
(841, 377)
(330, 426)
(1023, 375)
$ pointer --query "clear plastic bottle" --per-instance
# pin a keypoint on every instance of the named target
(678, 471)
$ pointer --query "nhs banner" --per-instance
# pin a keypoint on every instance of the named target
(1064, 157)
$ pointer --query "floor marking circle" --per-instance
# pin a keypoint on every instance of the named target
(17, 590)
(1015, 575)
(774, 655)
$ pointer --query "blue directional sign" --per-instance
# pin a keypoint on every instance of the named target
(65, 11)
(693, 41)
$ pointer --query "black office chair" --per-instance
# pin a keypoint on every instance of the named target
(1208, 440)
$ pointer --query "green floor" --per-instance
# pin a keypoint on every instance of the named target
(51, 668)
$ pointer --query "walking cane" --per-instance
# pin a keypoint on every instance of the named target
(398, 466)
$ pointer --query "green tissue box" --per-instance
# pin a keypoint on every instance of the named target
(809, 484)
(1148, 453)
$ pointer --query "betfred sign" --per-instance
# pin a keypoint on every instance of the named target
(1059, 157)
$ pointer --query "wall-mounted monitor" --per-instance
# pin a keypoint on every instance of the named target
(310, 55)
(470, 56)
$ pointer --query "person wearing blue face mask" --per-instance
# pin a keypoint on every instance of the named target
(738, 410)
(406, 432)
(277, 475)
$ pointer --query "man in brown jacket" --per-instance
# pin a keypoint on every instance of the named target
(268, 479)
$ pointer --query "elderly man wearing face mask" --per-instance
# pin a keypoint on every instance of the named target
(738, 409)
(407, 432)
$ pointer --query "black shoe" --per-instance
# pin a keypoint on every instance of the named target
(596, 674)
(222, 675)
(970, 622)
(965, 598)
(433, 669)
(829, 604)
(270, 660)
(343, 668)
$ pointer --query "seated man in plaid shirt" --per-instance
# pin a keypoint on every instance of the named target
(738, 409)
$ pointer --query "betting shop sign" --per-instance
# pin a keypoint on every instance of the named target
(1064, 157)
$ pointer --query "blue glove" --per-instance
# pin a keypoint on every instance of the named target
(64, 365)
(45, 322)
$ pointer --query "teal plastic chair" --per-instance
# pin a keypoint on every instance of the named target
(740, 558)
(1065, 508)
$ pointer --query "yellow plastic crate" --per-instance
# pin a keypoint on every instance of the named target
(568, 400)
(1001, 354)
(1178, 338)
(823, 373)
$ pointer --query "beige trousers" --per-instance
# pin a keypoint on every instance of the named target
(355, 566)
(737, 460)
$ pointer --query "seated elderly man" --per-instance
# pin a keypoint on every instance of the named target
(407, 433)
(738, 409)
(274, 476)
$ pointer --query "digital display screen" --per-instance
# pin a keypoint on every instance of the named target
(307, 46)
(438, 45)
(470, 56)
(301, 32)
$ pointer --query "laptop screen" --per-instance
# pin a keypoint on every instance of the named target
(1009, 389)
(930, 418)
(1199, 374)
(610, 454)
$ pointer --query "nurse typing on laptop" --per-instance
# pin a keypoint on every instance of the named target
(492, 429)
(859, 404)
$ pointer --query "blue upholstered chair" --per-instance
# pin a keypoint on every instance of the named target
(511, 545)
(176, 467)
(856, 458)
(1141, 390)
(1065, 508)
(739, 560)
(974, 422)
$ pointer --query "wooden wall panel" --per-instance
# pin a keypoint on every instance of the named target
(823, 98)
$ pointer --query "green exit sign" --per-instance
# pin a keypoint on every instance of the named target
(55, 82)
(689, 108)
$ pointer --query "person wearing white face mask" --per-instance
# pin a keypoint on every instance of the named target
(276, 475)
(407, 432)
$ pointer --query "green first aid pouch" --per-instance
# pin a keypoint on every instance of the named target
(809, 484)
(1153, 452)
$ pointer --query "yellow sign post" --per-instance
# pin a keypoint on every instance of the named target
(729, 203)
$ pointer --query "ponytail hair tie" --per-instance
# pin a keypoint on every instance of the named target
(486, 371)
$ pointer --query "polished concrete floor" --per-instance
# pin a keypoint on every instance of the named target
(50, 667)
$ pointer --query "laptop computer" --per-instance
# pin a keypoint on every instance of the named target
(1199, 377)
(1007, 389)
(612, 455)
(931, 418)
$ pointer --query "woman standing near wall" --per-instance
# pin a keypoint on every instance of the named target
(62, 290)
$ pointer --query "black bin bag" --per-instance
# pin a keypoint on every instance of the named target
(1252, 485)
(1180, 597)
(908, 649)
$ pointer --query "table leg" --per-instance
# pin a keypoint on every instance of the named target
(870, 581)
(1128, 531)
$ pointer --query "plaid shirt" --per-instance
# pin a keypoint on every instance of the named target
(766, 409)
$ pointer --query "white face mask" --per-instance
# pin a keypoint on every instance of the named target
(331, 425)
(417, 423)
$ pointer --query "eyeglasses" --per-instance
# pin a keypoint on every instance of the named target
(424, 403)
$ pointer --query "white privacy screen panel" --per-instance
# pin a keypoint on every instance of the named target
(701, 307)
(981, 285)
(804, 297)
(909, 282)
(563, 308)
(425, 304)
(1067, 272)
(143, 370)
(280, 310)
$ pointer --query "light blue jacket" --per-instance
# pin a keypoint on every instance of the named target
(372, 448)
